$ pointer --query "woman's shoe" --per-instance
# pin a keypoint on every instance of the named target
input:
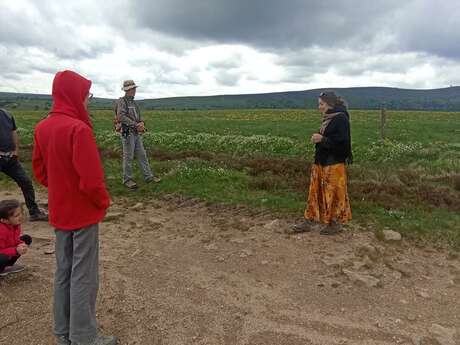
(305, 226)
(331, 229)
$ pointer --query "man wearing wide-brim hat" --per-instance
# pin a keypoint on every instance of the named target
(132, 127)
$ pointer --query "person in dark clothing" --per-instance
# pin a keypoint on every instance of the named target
(10, 165)
(328, 201)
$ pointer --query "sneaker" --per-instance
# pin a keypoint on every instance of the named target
(62, 340)
(38, 216)
(130, 184)
(153, 179)
(305, 226)
(331, 229)
(3, 273)
(13, 269)
(100, 340)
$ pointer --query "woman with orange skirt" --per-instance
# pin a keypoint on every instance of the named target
(328, 201)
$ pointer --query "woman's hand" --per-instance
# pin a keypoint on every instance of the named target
(316, 138)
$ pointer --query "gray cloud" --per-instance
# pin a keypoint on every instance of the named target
(349, 63)
(429, 26)
(233, 61)
(178, 78)
(52, 28)
(389, 25)
(265, 23)
(227, 78)
(178, 45)
(22, 60)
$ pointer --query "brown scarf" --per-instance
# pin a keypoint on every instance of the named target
(326, 119)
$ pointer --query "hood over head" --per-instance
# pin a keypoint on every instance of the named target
(69, 92)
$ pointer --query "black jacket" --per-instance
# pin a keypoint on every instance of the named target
(7, 126)
(336, 144)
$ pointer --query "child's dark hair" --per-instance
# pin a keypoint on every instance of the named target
(7, 208)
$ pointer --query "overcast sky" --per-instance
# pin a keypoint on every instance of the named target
(207, 47)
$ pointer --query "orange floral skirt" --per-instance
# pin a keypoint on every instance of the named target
(328, 197)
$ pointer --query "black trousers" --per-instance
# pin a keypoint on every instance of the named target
(6, 260)
(11, 167)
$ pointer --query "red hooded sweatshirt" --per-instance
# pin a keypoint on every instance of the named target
(66, 159)
(9, 239)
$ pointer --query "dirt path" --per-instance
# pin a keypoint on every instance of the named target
(186, 273)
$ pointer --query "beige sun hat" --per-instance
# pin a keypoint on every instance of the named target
(128, 85)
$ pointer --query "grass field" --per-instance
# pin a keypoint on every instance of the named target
(410, 182)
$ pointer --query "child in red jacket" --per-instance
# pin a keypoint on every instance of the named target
(12, 243)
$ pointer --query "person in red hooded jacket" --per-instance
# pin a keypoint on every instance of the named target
(66, 160)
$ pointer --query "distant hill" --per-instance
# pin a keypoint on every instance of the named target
(29, 101)
(447, 99)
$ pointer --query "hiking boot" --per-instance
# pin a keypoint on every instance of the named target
(331, 229)
(130, 184)
(153, 179)
(12, 269)
(100, 340)
(305, 226)
(62, 340)
(38, 216)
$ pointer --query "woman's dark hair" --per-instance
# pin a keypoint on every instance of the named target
(332, 99)
(7, 208)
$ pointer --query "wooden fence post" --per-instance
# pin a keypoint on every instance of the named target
(383, 119)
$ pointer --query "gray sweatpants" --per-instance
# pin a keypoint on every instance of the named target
(133, 146)
(76, 282)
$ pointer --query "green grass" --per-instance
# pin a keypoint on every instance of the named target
(436, 225)
(205, 180)
(410, 182)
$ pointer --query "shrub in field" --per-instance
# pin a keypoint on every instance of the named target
(26, 135)
(196, 168)
(234, 144)
(435, 158)
(381, 151)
